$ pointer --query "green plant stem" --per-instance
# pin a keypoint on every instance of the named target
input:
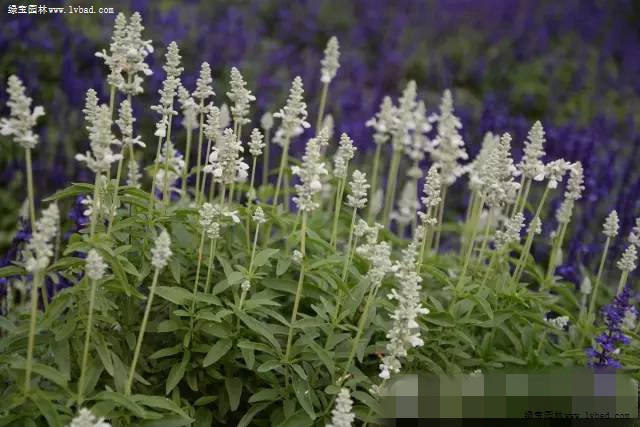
(253, 256)
(169, 144)
(361, 324)
(423, 244)
(37, 278)
(265, 157)
(283, 164)
(112, 100)
(199, 154)
(154, 172)
(623, 281)
(198, 264)
(474, 231)
(323, 101)
(296, 301)
(336, 212)
(391, 187)
(250, 201)
(30, 193)
(471, 208)
(440, 218)
(87, 338)
(187, 153)
(143, 327)
(212, 251)
(94, 210)
(596, 286)
(518, 195)
(525, 196)
(485, 239)
(345, 266)
(374, 181)
(557, 245)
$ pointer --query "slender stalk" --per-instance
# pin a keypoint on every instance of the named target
(87, 337)
(253, 256)
(336, 212)
(423, 244)
(212, 252)
(471, 208)
(283, 163)
(296, 301)
(557, 245)
(250, 201)
(286, 190)
(361, 325)
(165, 185)
(323, 101)
(94, 210)
(199, 153)
(198, 264)
(474, 231)
(391, 187)
(112, 100)
(30, 193)
(154, 172)
(143, 327)
(187, 153)
(516, 204)
(623, 281)
(525, 196)
(594, 293)
(374, 180)
(265, 157)
(345, 266)
(485, 239)
(37, 277)
(441, 216)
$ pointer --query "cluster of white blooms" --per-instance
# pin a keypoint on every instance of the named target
(634, 236)
(448, 146)
(555, 172)
(96, 266)
(210, 220)
(225, 116)
(173, 172)
(535, 226)
(572, 193)
(498, 186)
(125, 124)
(161, 251)
(328, 126)
(297, 256)
(86, 419)
(310, 174)
(240, 96)
(359, 188)
(585, 286)
(511, 232)
(212, 127)
(407, 204)
(127, 53)
(342, 415)
(189, 109)
(258, 216)
(245, 285)
(169, 89)
(361, 228)
(225, 161)
(22, 120)
(611, 225)
(629, 259)
(344, 154)
(100, 158)
(39, 249)
(531, 164)
(102, 207)
(431, 199)
(560, 322)
(203, 86)
(378, 254)
(266, 121)
(256, 143)
(405, 117)
(330, 62)
(294, 113)
(419, 144)
(630, 319)
(405, 332)
(477, 168)
(383, 122)
(133, 174)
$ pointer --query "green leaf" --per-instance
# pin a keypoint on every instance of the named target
(234, 390)
(263, 256)
(174, 266)
(296, 419)
(303, 392)
(269, 365)
(177, 372)
(218, 350)
(122, 400)
(170, 325)
(205, 400)
(12, 270)
(259, 328)
(283, 265)
(71, 191)
(251, 413)
(169, 351)
(160, 402)
(168, 421)
(486, 307)
(269, 394)
(299, 371)
(249, 356)
(46, 408)
(175, 294)
(45, 371)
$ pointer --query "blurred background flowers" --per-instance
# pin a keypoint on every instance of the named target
(573, 64)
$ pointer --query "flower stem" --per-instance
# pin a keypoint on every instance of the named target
(391, 187)
(253, 256)
(265, 158)
(37, 277)
(212, 251)
(485, 239)
(94, 210)
(165, 186)
(87, 337)
(441, 216)
(143, 327)
(187, 152)
(283, 164)
(32, 209)
(198, 167)
(155, 172)
(323, 101)
(361, 325)
(374, 180)
(336, 213)
(557, 245)
(527, 247)
(623, 281)
(296, 301)
(474, 231)
(594, 293)
(198, 264)
(345, 266)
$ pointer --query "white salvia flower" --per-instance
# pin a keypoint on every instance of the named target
(559, 322)
(207, 214)
(266, 121)
(384, 121)
(378, 254)
(117, 52)
(629, 259)
(611, 225)
(225, 116)
(240, 96)
(225, 161)
(634, 236)
(161, 251)
(39, 249)
(328, 126)
(499, 186)
(407, 204)
(585, 286)
(343, 155)
(531, 164)
(22, 120)
(258, 216)
(511, 232)
(419, 144)
(294, 113)
(203, 85)
(96, 266)
(342, 415)
(189, 109)
(174, 171)
(448, 144)
(630, 320)
(405, 332)
(297, 256)
(359, 189)
(361, 228)
(245, 285)
(100, 158)
(91, 107)
(405, 119)
(576, 180)
(431, 189)
(169, 89)
(133, 174)
(478, 168)
(555, 172)
(213, 230)
(173, 58)
(330, 62)
(376, 202)
(125, 124)
(256, 143)
(310, 172)
(212, 129)
(86, 419)
(535, 226)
